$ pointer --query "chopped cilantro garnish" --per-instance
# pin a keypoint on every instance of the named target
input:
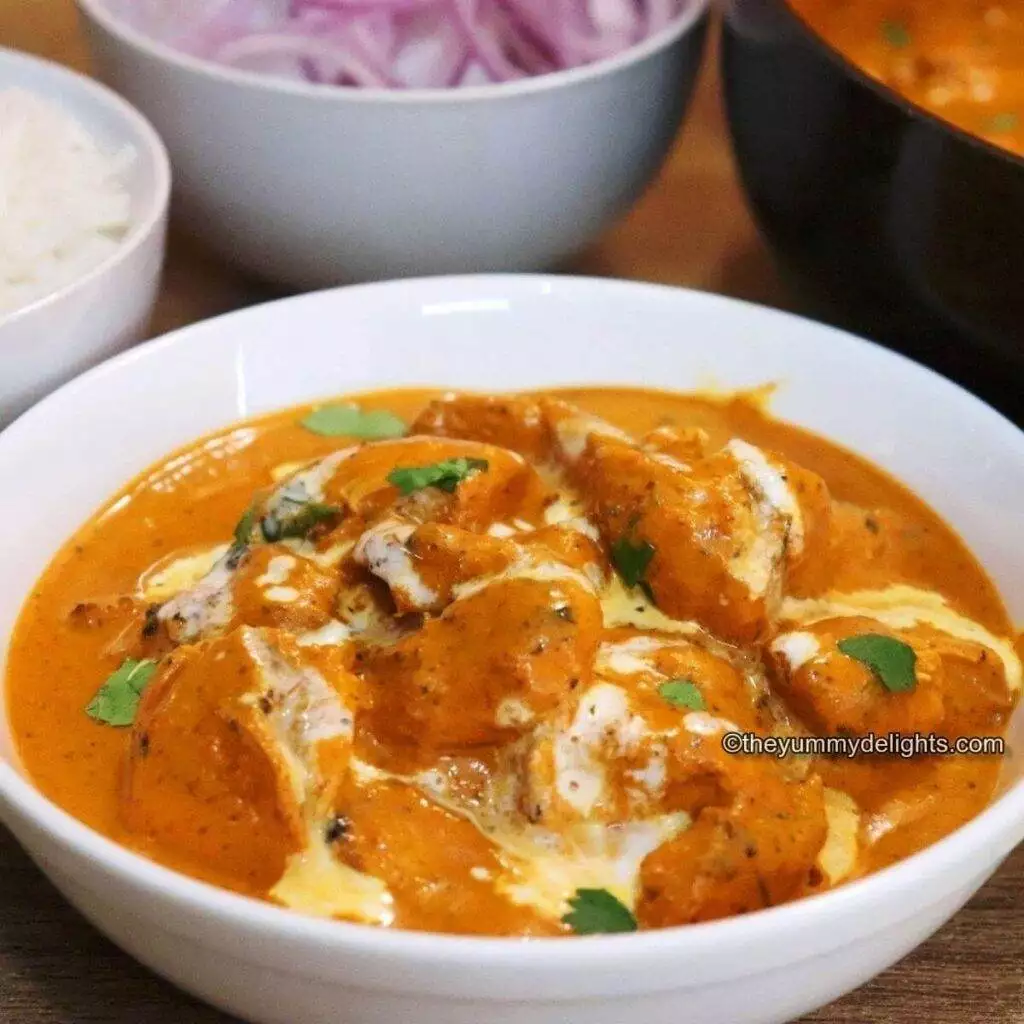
(296, 519)
(597, 911)
(682, 693)
(891, 661)
(1005, 122)
(351, 421)
(243, 531)
(117, 700)
(896, 34)
(243, 537)
(446, 475)
(632, 558)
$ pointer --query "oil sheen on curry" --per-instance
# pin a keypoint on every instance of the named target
(465, 663)
(962, 60)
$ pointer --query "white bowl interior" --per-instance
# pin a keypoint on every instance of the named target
(504, 333)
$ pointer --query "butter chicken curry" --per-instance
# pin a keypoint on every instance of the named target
(475, 675)
(962, 60)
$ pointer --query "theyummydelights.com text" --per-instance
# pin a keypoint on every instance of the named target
(891, 744)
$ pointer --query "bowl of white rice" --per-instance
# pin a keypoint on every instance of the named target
(84, 194)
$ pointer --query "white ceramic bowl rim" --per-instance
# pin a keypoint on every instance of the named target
(154, 152)
(97, 9)
(549, 956)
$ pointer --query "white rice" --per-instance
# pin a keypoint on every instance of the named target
(64, 207)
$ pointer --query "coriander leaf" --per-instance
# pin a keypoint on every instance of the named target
(151, 622)
(896, 34)
(683, 693)
(243, 531)
(117, 700)
(1005, 122)
(446, 475)
(892, 661)
(351, 421)
(243, 538)
(597, 911)
(632, 558)
(296, 519)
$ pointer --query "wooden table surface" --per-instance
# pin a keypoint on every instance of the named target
(691, 229)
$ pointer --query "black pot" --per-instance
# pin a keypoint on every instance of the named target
(892, 222)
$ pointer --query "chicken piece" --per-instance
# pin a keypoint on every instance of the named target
(423, 564)
(572, 430)
(540, 428)
(129, 626)
(278, 588)
(504, 654)
(444, 884)
(508, 421)
(807, 552)
(294, 511)
(759, 850)
(365, 610)
(506, 488)
(729, 684)
(712, 542)
(773, 517)
(833, 693)
(625, 748)
(204, 609)
(622, 752)
(609, 756)
(238, 745)
(566, 543)
(961, 686)
(978, 694)
(349, 487)
(267, 585)
(694, 542)
(684, 444)
(919, 802)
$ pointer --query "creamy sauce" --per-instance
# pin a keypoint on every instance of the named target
(504, 738)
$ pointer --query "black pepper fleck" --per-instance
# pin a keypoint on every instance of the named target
(337, 828)
(151, 624)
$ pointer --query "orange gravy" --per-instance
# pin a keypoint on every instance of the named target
(962, 60)
(195, 497)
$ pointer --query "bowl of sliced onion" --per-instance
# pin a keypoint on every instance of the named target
(319, 142)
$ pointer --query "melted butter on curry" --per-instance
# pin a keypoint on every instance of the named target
(476, 679)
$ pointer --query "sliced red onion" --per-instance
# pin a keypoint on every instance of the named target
(401, 43)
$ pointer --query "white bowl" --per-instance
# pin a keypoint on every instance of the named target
(269, 965)
(313, 186)
(61, 334)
